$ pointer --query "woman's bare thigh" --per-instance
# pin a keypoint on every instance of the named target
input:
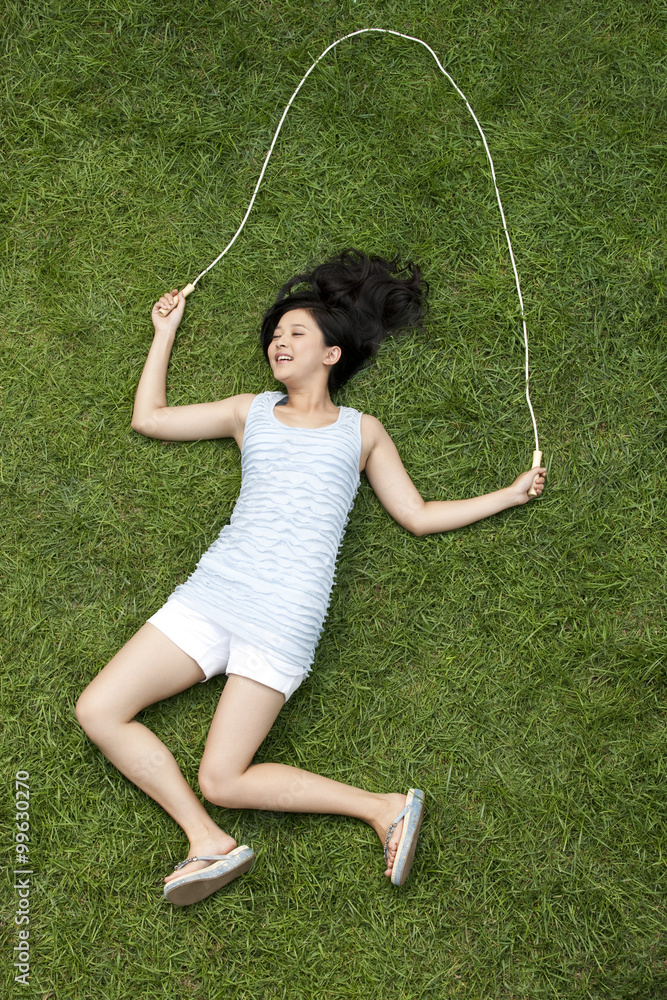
(148, 668)
(245, 713)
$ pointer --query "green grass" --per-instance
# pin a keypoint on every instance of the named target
(515, 669)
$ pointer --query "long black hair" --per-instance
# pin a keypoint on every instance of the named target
(356, 301)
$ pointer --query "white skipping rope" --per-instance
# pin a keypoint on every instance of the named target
(387, 31)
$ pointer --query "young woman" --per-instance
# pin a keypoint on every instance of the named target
(255, 605)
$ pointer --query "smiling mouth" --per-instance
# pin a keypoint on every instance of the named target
(283, 357)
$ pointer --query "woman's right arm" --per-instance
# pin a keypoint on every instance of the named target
(151, 415)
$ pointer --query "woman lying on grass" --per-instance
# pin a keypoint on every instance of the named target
(255, 604)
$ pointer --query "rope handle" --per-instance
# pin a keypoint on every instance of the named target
(537, 460)
(184, 292)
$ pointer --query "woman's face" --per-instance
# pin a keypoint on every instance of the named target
(297, 353)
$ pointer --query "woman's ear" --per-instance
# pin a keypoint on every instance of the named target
(333, 355)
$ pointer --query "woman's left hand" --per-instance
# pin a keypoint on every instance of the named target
(522, 484)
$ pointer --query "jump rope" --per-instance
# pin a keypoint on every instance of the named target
(537, 454)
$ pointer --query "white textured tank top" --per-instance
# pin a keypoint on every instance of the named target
(268, 576)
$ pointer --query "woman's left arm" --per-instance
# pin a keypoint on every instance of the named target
(400, 497)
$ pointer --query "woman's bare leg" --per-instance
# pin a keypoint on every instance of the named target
(149, 668)
(227, 777)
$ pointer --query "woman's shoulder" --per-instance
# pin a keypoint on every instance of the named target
(372, 431)
(258, 399)
(370, 425)
(270, 396)
(242, 403)
(258, 405)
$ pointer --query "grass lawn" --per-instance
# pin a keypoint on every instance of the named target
(514, 669)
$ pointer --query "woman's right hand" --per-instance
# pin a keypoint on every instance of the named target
(170, 322)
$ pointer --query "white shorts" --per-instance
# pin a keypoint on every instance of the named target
(217, 651)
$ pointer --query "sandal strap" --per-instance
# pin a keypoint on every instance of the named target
(391, 829)
(201, 857)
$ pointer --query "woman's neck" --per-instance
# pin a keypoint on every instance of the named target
(310, 401)
(307, 408)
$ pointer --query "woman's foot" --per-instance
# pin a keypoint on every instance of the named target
(391, 807)
(221, 843)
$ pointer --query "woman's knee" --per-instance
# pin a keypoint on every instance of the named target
(94, 713)
(219, 789)
(88, 712)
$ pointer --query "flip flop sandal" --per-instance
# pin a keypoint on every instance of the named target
(198, 885)
(412, 818)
